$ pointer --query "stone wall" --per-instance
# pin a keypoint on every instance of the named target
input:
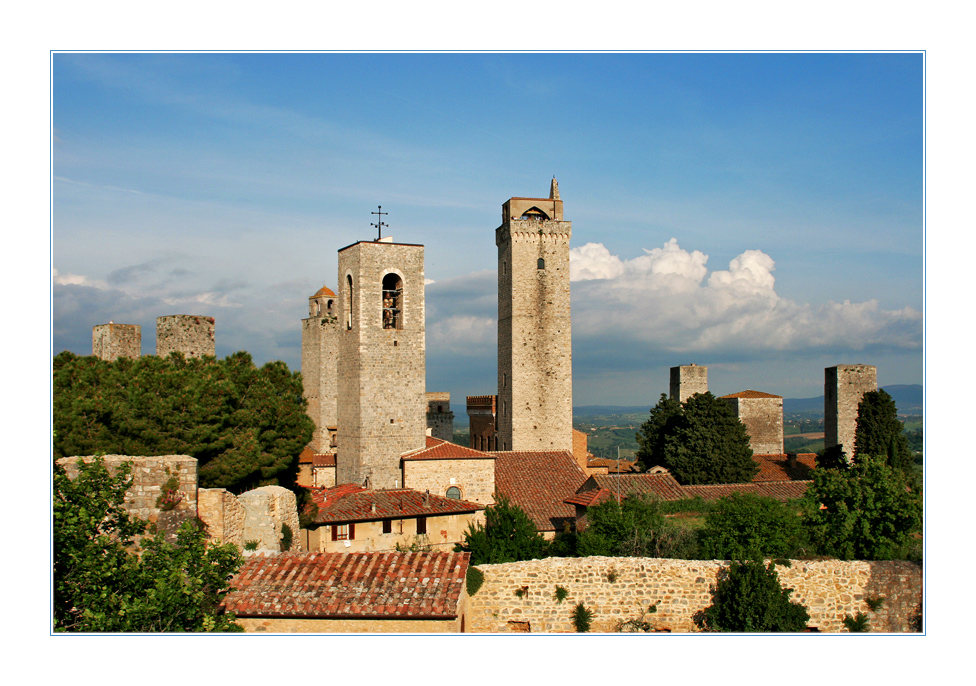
(475, 477)
(687, 380)
(440, 419)
(112, 341)
(481, 421)
(266, 509)
(617, 589)
(762, 414)
(844, 386)
(320, 358)
(223, 516)
(189, 334)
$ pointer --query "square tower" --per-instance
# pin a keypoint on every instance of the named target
(762, 413)
(535, 354)
(440, 419)
(112, 341)
(189, 334)
(844, 386)
(382, 406)
(687, 380)
(320, 357)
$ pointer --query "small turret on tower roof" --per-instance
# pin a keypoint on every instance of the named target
(554, 189)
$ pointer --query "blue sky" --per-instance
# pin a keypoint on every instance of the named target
(761, 214)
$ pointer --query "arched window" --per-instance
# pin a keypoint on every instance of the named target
(392, 302)
(454, 493)
(541, 264)
(328, 307)
(348, 301)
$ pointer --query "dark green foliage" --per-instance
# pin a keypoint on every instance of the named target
(508, 535)
(473, 579)
(560, 594)
(749, 598)
(857, 624)
(833, 457)
(880, 432)
(100, 584)
(748, 526)
(244, 425)
(250, 546)
(169, 496)
(582, 618)
(874, 603)
(633, 528)
(286, 538)
(700, 441)
(869, 512)
(637, 624)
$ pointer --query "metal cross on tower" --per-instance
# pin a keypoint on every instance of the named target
(379, 222)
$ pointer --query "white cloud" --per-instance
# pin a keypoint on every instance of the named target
(463, 335)
(76, 280)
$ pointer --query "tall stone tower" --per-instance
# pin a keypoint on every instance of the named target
(844, 386)
(382, 407)
(688, 380)
(189, 334)
(535, 359)
(112, 341)
(320, 358)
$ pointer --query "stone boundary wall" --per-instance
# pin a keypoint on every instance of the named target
(829, 589)
(265, 510)
(223, 516)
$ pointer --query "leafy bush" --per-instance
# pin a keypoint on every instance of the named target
(474, 579)
(508, 535)
(749, 598)
(582, 618)
(286, 538)
(857, 624)
(560, 594)
(250, 546)
(749, 526)
(169, 496)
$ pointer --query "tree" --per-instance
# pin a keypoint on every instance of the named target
(869, 512)
(102, 584)
(700, 441)
(750, 598)
(508, 535)
(749, 526)
(880, 432)
(633, 528)
(244, 425)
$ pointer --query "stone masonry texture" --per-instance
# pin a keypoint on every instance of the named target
(617, 589)
(266, 509)
(382, 408)
(440, 419)
(687, 380)
(192, 335)
(844, 386)
(320, 358)
(223, 516)
(112, 341)
(762, 414)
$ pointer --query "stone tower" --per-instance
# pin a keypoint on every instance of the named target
(189, 334)
(440, 419)
(112, 341)
(762, 414)
(844, 386)
(688, 380)
(535, 365)
(382, 406)
(320, 357)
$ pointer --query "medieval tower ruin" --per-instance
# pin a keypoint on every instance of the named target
(762, 414)
(189, 334)
(844, 386)
(382, 406)
(320, 357)
(112, 341)
(535, 367)
(687, 380)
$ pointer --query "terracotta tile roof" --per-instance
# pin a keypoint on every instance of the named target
(540, 482)
(324, 291)
(781, 490)
(590, 498)
(438, 449)
(612, 465)
(309, 456)
(779, 467)
(350, 585)
(663, 486)
(751, 394)
(350, 503)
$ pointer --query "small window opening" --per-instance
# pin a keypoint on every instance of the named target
(328, 307)
(541, 264)
(348, 302)
(392, 302)
(421, 525)
(454, 493)
(387, 526)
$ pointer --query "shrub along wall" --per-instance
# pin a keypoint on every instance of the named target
(521, 596)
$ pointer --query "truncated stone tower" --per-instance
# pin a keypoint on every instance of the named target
(762, 413)
(440, 419)
(382, 407)
(844, 386)
(189, 334)
(687, 380)
(320, 358)
(535, 366)
(112, 341)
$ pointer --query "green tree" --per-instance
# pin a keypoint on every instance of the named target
(102, 584)
(749, 598)
(245, 425)
(700, 441)
(869, 512)
(880, 432)
(508, 535)
(749, 526)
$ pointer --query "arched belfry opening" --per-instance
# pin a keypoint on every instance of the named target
(534, 213)
(392, 302)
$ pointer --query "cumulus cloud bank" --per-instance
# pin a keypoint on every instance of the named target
(667, 298)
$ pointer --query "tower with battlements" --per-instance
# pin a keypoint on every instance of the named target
(535, 365)
(320, 357)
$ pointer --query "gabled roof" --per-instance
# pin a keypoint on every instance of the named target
(539, 482)
(438, 449)
(424, 585)
(781, 490)
(351, 503)
(663, 486)
(309, 456)
(591, 497)
(779, 467)
(752, 394)
(624, 466)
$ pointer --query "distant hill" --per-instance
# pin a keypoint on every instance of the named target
(907, 397)
(600, 410)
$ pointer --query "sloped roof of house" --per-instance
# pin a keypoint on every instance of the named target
(751, 394)
(781, 490)
(539, 482)
(779, 467)
(309, 456)
(421, 585)
(438, 449)
(624, 466)
(663, 486)
(351, 503)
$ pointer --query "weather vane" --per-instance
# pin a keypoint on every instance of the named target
(379, 222)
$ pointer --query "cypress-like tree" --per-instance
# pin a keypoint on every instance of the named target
(880, 432)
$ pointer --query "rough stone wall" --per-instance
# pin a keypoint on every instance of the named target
(844, 386)
(481, 421)
(320, 357)
(265, 510)
(443, 532)
(323, 477)
(535, 366)
(189, 334)
(763, 418)
(440, 419)
(687, 380)
(112, 341)
(223, 516)
(616, 589)
(475, 478)
(149, 474)
(382, 374)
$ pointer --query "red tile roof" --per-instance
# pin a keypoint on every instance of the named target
(663, 486)
(751, 394)
(591, 497)
(309, 456)
(611, 465)
(426, 585)
(438, 449)
(781, 490)
(350, 503)
(539, 482)
(779, 467)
